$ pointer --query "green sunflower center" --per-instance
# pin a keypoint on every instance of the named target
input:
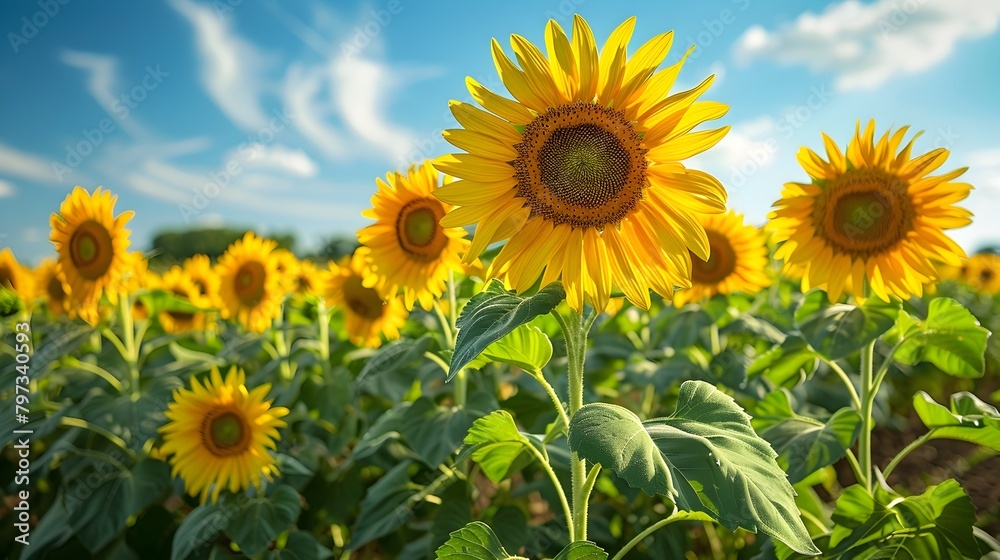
(581, 164)
(227, 430)
(720, 264)
(91, 250)
(865, 212)
(249, 283)
(361, 300)
(418, 230)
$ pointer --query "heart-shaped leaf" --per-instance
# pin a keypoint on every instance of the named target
(263, 518)
(498, 446)
(839, 330)
(494, 313)
(969, 419)
(525, 347)
(950, 338)
(581, 550)
(705, 456)
(475, 541)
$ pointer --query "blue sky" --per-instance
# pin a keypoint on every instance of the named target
(279, 115)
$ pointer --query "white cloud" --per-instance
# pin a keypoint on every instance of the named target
(303, 93)
(361, 87)
(277, 157)
(6, 189)
(25, 166)
(230, 66)
(102, 84)
(748, 147)
(866, 44)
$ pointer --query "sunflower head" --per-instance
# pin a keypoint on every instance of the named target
(737, 261)
(219, 434)
(581, 172)
(982, 272)
(287, 265)
(51, 286)
(410, 250)
(199, 269)
(368, 313)
(178, 283)
(875, 216)
(306, 281)
(250, 290)
(14, 276)
(93, 245)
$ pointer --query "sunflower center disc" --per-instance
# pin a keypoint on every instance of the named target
(720, 264)
(581, 164)
(986, 275)
(54, 289)
(6, 278)
(227, 430)
(418, 230)
(91, 250)
(250, 283)
(363, 301)
(865, 212)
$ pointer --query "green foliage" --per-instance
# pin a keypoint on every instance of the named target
(497, 445)
(705, 456)
(474, 541)
(950, 338)
(969, 419)
(839, 330)
(175, 247)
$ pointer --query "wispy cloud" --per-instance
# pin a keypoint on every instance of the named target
(307, 99)
(277, 157)
(6, 189)
(230, 66)
(103, 84)
(361, 88)
(23, 165)
(866, 44)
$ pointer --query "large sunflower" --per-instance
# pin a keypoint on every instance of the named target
(581, 172)
(199, 269)
(874, 216)
(409, 248)
(179, 283)
(219, 434)
(92, 243)
(249, 287)
(368, 314)
(982, 272)
(51, 286)
(737, 263)
(14, 276)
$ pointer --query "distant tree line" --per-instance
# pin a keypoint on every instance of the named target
(173, 247)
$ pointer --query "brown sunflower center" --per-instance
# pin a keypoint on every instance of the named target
(418, 230)
(54, 288)
(249, 283)
(361, 300)
(181, 316)
(986, 274)
(865, 212)
(581, 164)
(304, 283)
(6, 277)
(225, 433)
(720, 264)
(91, 250)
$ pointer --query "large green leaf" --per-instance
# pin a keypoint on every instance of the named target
(475, 541)
(300, 546)
(525, 347)
(935, 524)
(705, 456)
(581, 550)
(969, 419)
(492, 314)
(950, 338)
(435, 432)
(392, 358)
(386, 506)
(804, 445)
(261, 519)
(839, 330)
(203, 525)
(498, 446)
(786, 364)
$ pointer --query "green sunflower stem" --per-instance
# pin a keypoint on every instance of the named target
(131, 353)
(868, 391)
(281, 345)
(575, 329)
(323, 316)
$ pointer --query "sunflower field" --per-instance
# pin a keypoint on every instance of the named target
(556, 342)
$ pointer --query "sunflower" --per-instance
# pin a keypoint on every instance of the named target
(51, 286)
(982, 272)
(581, 172)
(199, 269)
(219, 434)
(178, 282)
(737, 263)
(409, 248)
(368, 313)
(306, 281)
(92, 243)
(873, 216)
(15, 277)
(249, 287)
(288, 267)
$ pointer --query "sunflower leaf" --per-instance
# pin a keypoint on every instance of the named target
(839, 330)
(495, 313)
(705, 457)
(969, 419)
(261, 519)
(474, 541)
(950, 337)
